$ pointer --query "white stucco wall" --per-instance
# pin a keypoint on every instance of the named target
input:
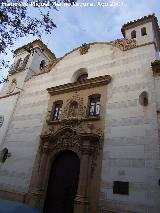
(6, 109)
(131, 137)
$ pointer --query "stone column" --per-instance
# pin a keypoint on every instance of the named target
(81, 200)
(36, 189)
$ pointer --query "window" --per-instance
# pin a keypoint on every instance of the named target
(143, 98)
(143, 31)
(1, 120)
(133, 34)
(42, 64)
(94, 105)
(120, 187)
(57, 110)
(82, 77)
(18, 63)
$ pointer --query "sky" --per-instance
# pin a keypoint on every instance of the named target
(77, 25)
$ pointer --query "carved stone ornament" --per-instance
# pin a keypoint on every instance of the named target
(68, 138)
(63, 140)
(1, 120)
(67, 141)
(84, 49)
(80, 85)
(12, 86)
(124, 43)
(74, 108)
(19, 65)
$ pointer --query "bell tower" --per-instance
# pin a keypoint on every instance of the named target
(144, 31)
(30, 60)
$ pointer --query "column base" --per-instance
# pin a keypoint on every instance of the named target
(34, 199)
(81, 204)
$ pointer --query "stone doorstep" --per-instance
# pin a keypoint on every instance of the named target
(115, 211)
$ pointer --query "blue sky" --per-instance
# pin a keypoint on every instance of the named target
(78, 25)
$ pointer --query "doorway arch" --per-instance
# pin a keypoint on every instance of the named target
(63, 183)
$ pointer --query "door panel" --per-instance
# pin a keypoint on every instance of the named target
(63, 183)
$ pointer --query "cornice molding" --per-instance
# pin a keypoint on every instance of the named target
(80, 85)
(88, 118)
(122, 44)
(112, 43)
(8, 95)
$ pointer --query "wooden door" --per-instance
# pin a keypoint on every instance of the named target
(63, 183)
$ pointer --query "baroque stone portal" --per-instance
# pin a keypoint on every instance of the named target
(86, 145)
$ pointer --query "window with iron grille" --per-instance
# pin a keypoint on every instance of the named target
(57, 110)
(94, 105)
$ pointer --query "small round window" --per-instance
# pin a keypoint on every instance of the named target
(143, 98)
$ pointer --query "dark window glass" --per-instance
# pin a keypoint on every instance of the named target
(94, 106)
(82, 77)
(143, 31)
(42, 64)
(133, 34)
(57, 111)
(143, 98)
(120, 187)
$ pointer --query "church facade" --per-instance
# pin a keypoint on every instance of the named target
(81, 133)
